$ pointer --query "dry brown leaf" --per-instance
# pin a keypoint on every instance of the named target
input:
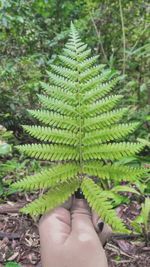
(13, 257)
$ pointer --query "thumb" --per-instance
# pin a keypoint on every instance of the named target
(81, 217)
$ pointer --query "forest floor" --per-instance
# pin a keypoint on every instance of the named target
(19, 238)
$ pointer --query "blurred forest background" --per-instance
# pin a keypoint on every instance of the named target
(32, 34)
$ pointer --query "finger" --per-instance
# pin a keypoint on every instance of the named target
(55, 225)
(104, 230)
(104, 233)
(67, 204)
(95, 220)
(81, 217)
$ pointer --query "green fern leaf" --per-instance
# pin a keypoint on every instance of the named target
(108, 134)
(101, 205)
(112, 151)
(69, 62)
(70, 53)
(65, 72)
(90, 73)
(62, 82)
(113, 172)
(51, 177)
(59, 93)
(54, 120)
(106, 119)
(52, 152)
(52, 135)
(57, 106)
(99, 92)
(87, 63)
(80, 125)
(101, 106)
(93, 83)
(55, 196)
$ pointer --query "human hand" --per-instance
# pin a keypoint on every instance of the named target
(70, 237)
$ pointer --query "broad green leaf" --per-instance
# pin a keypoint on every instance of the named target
(124, 188)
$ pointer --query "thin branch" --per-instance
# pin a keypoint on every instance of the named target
(6, 208)
(99, 37)
(120, 236)
(123, 37)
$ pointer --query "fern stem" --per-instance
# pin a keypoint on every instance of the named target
(81, 121)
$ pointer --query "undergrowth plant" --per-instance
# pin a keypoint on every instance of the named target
(79, 133)
(142, 223)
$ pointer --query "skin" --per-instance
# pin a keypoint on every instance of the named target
(70, 237)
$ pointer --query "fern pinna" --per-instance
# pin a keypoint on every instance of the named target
(80, 128)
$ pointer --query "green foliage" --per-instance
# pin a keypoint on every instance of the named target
(12, 164)
(98, 201)
(5, 148)
(142, 223)
(79, 151)
(18, 168)
(19, 82)
(12, 264)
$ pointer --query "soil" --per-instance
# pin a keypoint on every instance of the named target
(19, 238)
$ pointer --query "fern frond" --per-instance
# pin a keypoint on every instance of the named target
(61, 81)
(104, 120)
(100, 91)
(74, 34)
(52, 152)
(71, 63)
(87, 63)
(70, 53)
(59, 93)
(90, 73)
(49, 178)
(53, 198)
(81, 47)
(71, 46)
(113, 172)
(65, 72)
(94, 82)
(57, 105)
(54, 120)
(82, 56)
(101, 205)
(52, 135)
(101, 106)
(111, 151)
(108, 134)
(79, 128)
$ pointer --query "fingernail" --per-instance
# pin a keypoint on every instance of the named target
(100, 226)
(79, 194)
(104, 244)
